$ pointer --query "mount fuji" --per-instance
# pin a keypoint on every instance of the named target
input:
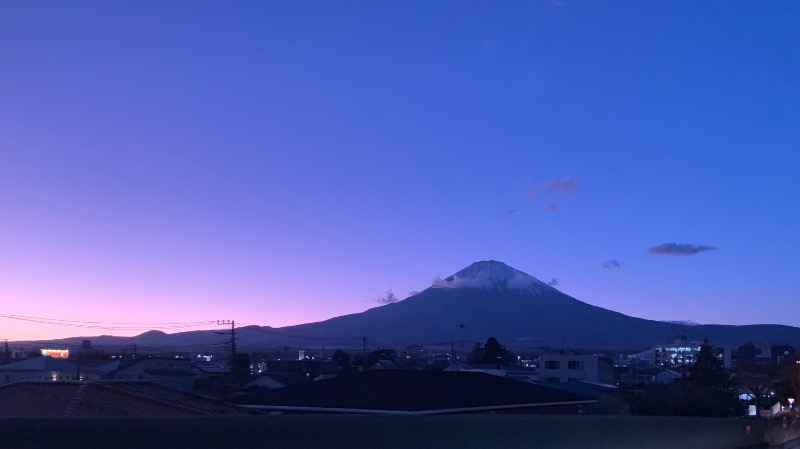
(490, 298)
(487, 298)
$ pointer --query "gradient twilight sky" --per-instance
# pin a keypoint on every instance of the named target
(282, 162)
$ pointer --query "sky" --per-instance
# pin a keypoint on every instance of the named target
(284, 162)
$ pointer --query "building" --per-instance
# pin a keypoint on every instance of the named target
(40, 368)
(126, 399)
(751, 356)
(667, 376)
(594, 368)
(171, 372)
(402, 392)
(682, 354)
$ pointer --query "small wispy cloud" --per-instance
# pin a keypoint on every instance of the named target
(564, 185)
(551, 207)
(612, 264)
(387, 298)
(553, 282)
(526, 186)
(510, 212)
(413, 292)
(679, 249)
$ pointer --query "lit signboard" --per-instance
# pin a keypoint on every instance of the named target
(56, 353)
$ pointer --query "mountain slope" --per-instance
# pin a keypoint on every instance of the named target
(487, 298)
(490, 298)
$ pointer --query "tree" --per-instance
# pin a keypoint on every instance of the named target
(752, 378)
(492, 353)
(707, 369)
(755, 381)
(240, 365)
(686, 399)
(495, 353)
(475, 356)
(341, 359)
(789, 377)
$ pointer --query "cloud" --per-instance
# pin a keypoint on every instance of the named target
(564, 185)
(612, 264)
(413, 292)
(551, 207)
(388, 298)
(526, 186)
(679, 249)
(510, 212)
(483, 280)
(553, 282)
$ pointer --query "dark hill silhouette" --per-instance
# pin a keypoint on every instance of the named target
(492, 299)
(488, 298)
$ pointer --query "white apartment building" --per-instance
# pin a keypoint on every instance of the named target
(571, 367)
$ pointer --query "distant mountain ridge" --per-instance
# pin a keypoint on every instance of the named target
(487, 298)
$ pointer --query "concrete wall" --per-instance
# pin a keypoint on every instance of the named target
(386, 432)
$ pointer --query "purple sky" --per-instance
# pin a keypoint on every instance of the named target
(284, 162)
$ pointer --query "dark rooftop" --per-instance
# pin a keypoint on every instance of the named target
(37, 399)
(414, 391)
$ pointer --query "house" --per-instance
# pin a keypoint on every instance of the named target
(263, 381)
(171, 372)
(667, 376)
(557, 368)
(40, 368)
(402, 392)
(383, 364)
(37, 399)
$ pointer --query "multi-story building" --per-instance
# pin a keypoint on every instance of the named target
(762, 356)
(683, 354)
(572, 367)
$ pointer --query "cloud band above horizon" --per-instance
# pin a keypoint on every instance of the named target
(679, 249)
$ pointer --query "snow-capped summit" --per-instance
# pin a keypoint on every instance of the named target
(491, 275)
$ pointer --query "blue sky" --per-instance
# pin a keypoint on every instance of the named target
(284, 162)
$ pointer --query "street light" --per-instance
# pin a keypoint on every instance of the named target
(791, 403)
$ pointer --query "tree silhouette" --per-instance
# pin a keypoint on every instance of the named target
(708, 370)
(240, 365)
(341, 359)
(491, 353)
(475, 356)
(752, 378)
(789, 377)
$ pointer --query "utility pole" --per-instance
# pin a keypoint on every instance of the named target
(364, 354)
(463, 354)
(232, 333)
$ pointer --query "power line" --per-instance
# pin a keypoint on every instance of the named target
(107, 325)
